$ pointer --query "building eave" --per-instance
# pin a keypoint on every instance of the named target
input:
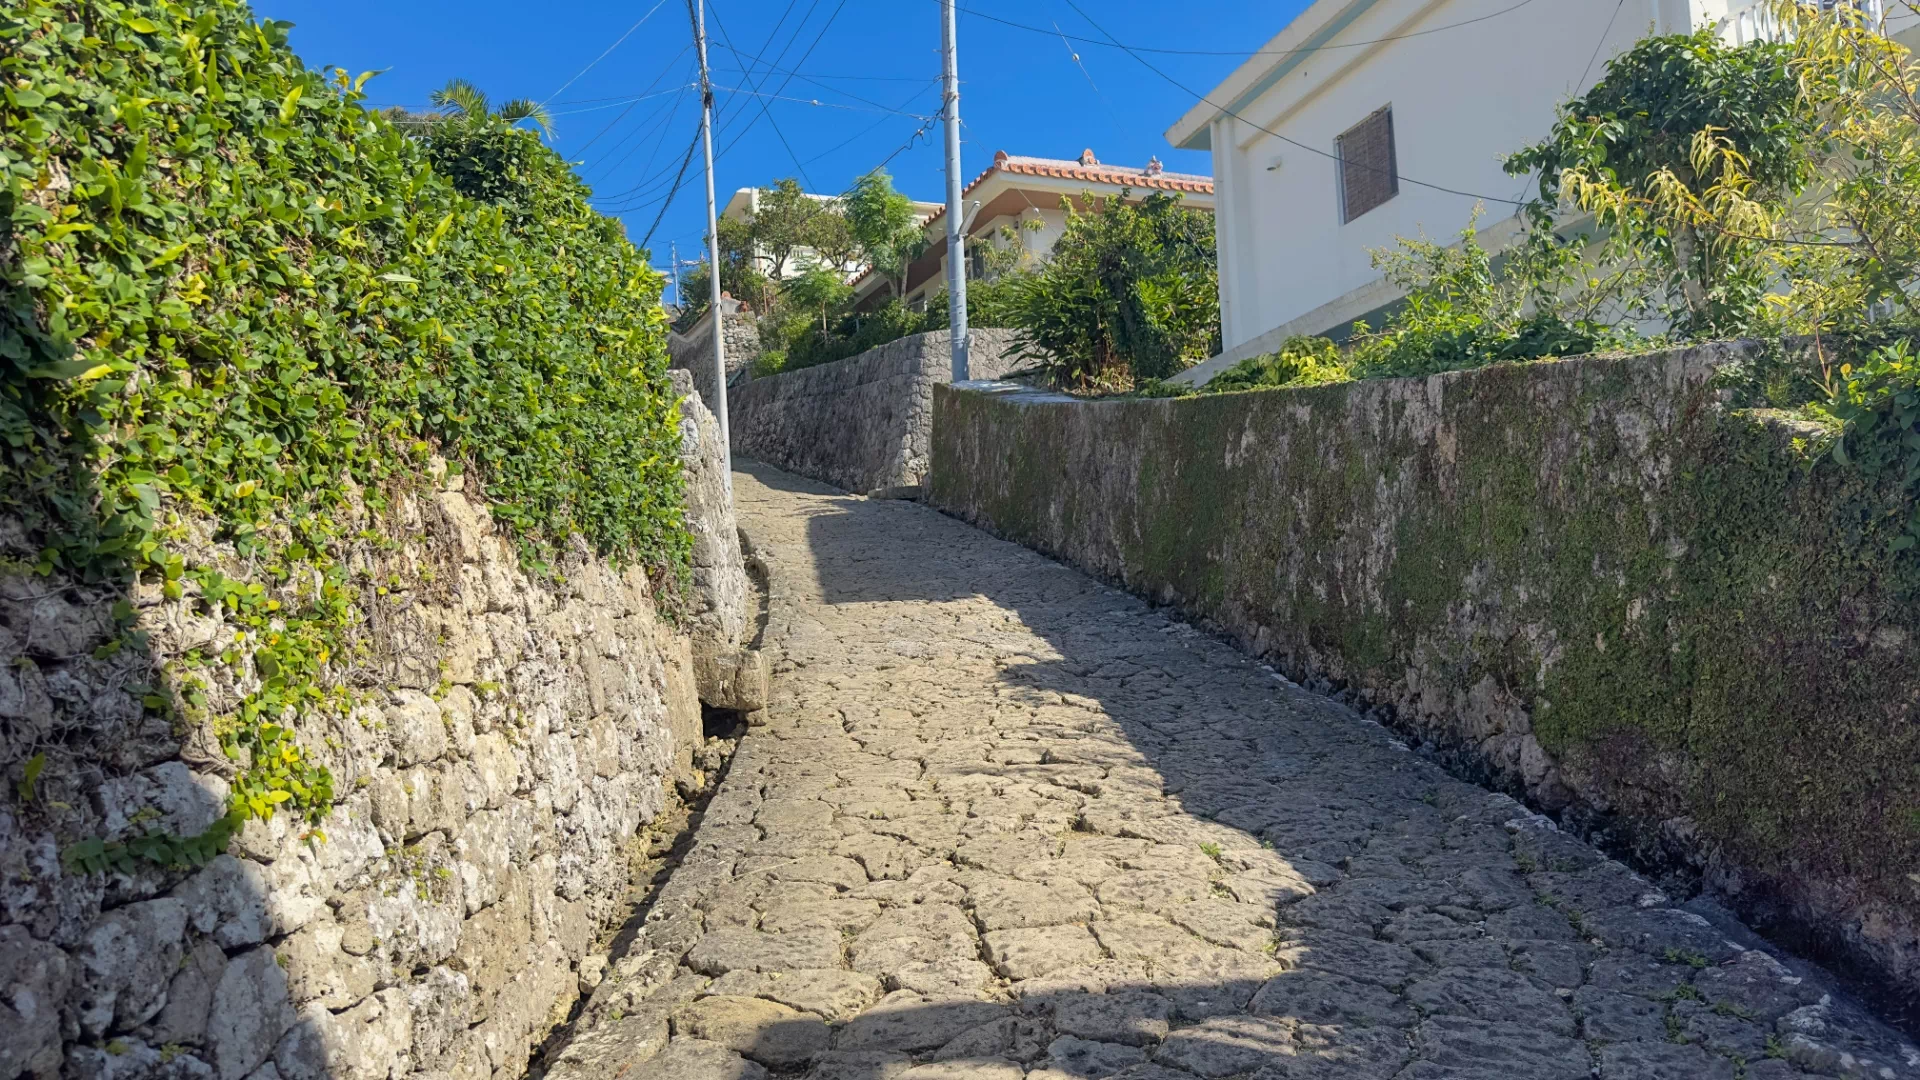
(1310, 30)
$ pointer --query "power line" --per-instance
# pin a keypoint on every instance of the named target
(838, 78)
(617, 102)
(802, 77)
(820, 104)
(1111, 43)
(1398, 175)
(865, 131)
(632, 105)
(684, 162)
(665, 125)
(1598, 45)
(727, 41)
(812, 6)
(604, 55)
(824, 27)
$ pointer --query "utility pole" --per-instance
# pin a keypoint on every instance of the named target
(673, 249)
(719, 402)
(956, 240)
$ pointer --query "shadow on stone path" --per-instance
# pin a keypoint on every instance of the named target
(1004, 821)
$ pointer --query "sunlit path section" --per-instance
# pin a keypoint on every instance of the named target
(1003, 821)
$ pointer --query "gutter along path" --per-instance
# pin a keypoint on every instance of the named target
(1004, 821)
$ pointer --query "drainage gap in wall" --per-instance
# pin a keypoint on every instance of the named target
(658, 850)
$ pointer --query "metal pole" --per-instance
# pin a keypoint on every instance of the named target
(956, 240)
(719, 402)
(673, 249)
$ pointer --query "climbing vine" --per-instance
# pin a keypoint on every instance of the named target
(232, 294)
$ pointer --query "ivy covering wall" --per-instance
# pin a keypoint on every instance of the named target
(231, 292)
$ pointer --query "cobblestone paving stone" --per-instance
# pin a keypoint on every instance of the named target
(1004, 821)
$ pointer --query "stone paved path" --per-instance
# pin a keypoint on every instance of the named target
(1003, 821)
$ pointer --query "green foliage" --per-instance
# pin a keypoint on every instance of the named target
(1875, 408)
(1667, 125)
(232, 293)
(1299, 361)
(1131, 293)
(884, 224)
(1466, 309)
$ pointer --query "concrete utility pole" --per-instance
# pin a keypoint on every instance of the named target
(719, 402)
(956, 226)
(673, 265)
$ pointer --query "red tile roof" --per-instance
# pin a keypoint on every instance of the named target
(1089, 169)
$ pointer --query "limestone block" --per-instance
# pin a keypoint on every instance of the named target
(495, 768)
(250, 1013)
(439, 1004)
(764, 1031)
(493, 944)
(227, 900)
(186, 802)
(483, 859)
(458, 709)
(183, 1020)
(133, 1059)
(125, 962)
(732, 679)
(418, 732)
(319, 970)
(469, 528)
(34, 977)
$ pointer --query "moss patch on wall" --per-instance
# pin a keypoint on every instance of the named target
(1623, 596)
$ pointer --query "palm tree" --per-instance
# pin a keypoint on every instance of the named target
(462, 102)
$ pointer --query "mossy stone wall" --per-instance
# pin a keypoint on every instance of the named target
(1590, 580)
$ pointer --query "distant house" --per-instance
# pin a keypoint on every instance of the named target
(1025, 193)
(746, 202)
(1343, 132)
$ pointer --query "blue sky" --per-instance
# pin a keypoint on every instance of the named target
(867, 62)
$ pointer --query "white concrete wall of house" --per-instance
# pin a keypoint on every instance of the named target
(1461, 99)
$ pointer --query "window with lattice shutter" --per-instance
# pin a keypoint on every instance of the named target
(1369, 173)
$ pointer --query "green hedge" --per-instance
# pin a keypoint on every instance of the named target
(229, 288)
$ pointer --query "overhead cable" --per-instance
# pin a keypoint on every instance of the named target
(603, 56)
(1113, 44)
(1397, 174)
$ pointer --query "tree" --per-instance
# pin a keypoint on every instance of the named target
(884, 224)
(462, 102)
(832, 240)
(821, 290)
(781, 223)
(1673, 120)
(1131, 293)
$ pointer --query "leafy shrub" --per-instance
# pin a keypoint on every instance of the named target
(1465, 309)
(1299, 361)
(1875, 410)
(1671, 121)
(1131, 293)
(230, 290)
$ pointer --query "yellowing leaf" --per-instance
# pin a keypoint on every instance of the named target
(245, 488)
(95, 372)
(141, 26)
(287, 104)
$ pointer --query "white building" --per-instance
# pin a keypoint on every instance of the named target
(746, 203)
(1343, 132)
(1023, 195)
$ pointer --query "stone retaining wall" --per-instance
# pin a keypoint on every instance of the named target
(862, 423)
(510, 738)
(1587, 581)
(692, 352)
